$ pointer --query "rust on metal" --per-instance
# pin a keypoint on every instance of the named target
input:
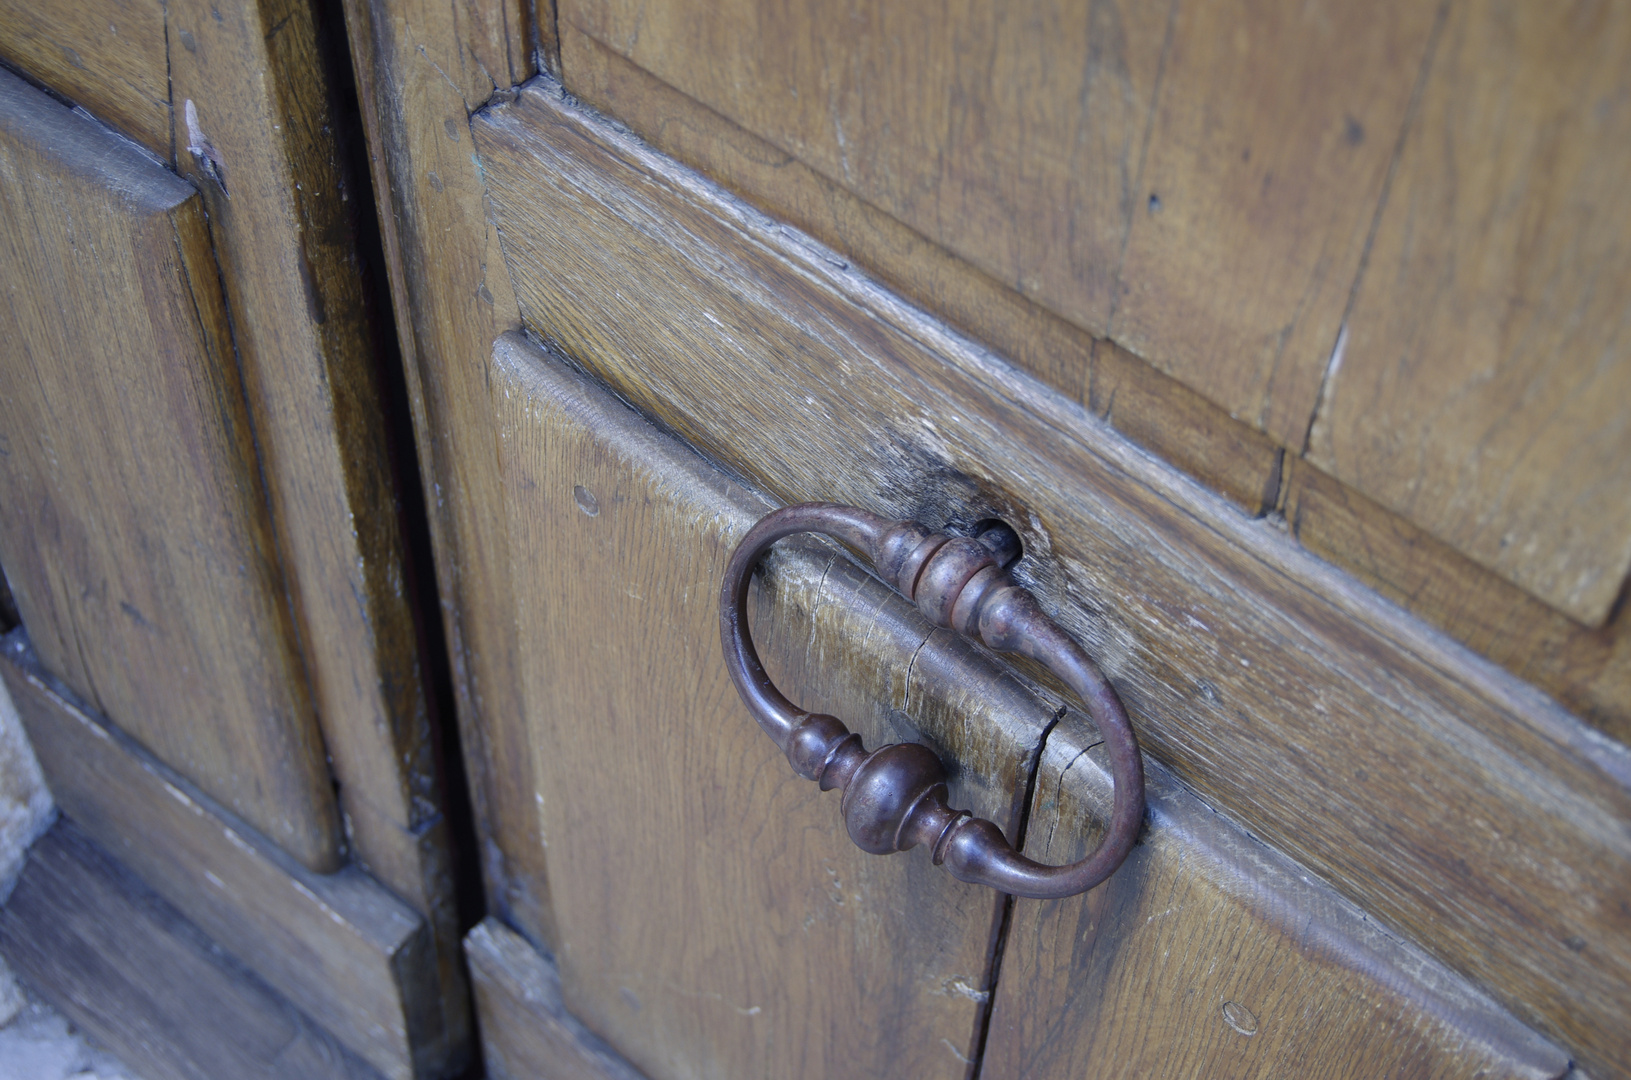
(895, 797)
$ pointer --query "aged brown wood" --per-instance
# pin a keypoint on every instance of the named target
(1010, 135)
(420, 69)
(1211, 955)
(605, 500)
(1481, 393)
(759, 939)
(137, 538)
(526, 1032)
(264, 153)
(1589, 672)
(133, 972)
(1267, 153)
(1152, 408)
(1443, 796)
(340, 946)
(1194, 180)
(105, 55)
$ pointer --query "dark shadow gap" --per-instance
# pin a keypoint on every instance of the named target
(419, 569)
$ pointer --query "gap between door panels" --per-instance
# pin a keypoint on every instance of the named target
(999, 940)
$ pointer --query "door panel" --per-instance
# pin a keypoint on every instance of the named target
(136, 535)
(1397, 218)
(339, 945)
(1211, 955)
(1193, 180)
(1441, 795)
(712, 917)
(1482, 391)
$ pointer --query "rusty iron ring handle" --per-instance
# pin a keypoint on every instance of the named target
(895, 797)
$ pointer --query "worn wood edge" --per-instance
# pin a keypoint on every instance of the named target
(444, 335)
(186, 1015)
(83, 147)
(1520, 702)
(1282, 894)
(1525, 757)
(1137, 399)
(1588, 671)
(526, 1029)
(148, 816)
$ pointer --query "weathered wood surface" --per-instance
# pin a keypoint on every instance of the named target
(137, 538)
(626, 529)
(1589, 671)
(758, 939)
(1153, 409)
(1209, 954)
(340, 946)
(1267, 152)
(265, 154)
(105, 55)
(1445, 797)
(1195, 180)
(420, 69)
(526, 1031)
(130, 969)
(1482, 391)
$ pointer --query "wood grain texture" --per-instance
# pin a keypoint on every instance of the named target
(1267, 681)
(340, 946)
(1267, 154)
(265, 154)
(1193, 180)
(1482, 390)
(418, 77)
(130, 969)
(1152, 409)
(140, 547)
(760, 939)
(105, 55)
(526, 1031)
(1244, 920)
(1588, 670)
(1209, 954)
(1008, 134)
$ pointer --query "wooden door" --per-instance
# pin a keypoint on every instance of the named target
(1111, 278)
(218, 660)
